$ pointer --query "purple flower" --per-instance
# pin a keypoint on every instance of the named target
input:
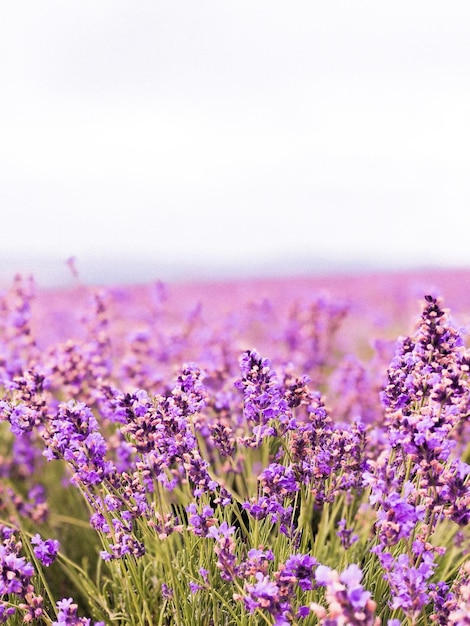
(348, 602)
(351, 577)
(304, 611)
(225, 549)
(301, 567)
(268, 596)
(444, 601)
(22, 417)
(263, 398)
(257, 561)
(74, 436)
(189, 392)
(123, 543)
(221, 532)
(67, 615)
(409, 583)
(162, 431)
(329, 460)
(16, 573)
(278, 480)
(346, 535)
(16, 578)
(221, 437)
(427, 392)
(262, 594)
(6, 611)
(45, 551)
(99, 522)
(200, 523)
(270, 507)
(397, 517)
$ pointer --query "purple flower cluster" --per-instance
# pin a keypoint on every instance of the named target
(67, 615)
(427, 395)
(270, 508)
(265, 407)
(212, 474)
(45, 550)
(224, 549)
(16, 575)
(74, 436)
(275, 594)
(409, 583)
(332, 459)
(398, 515)
(200, 523)
(278, 479)
(415, 482)
(163, 433)
(264, 594)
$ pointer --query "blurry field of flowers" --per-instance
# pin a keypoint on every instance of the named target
(265, 454)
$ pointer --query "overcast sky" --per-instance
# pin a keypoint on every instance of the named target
(238, 136)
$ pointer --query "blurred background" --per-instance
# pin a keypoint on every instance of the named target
(199, 140)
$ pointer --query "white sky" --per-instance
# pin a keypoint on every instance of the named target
(235, 134)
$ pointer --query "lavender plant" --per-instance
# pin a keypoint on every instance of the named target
(160, 469)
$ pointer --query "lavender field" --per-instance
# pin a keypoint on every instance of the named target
(285, 451)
